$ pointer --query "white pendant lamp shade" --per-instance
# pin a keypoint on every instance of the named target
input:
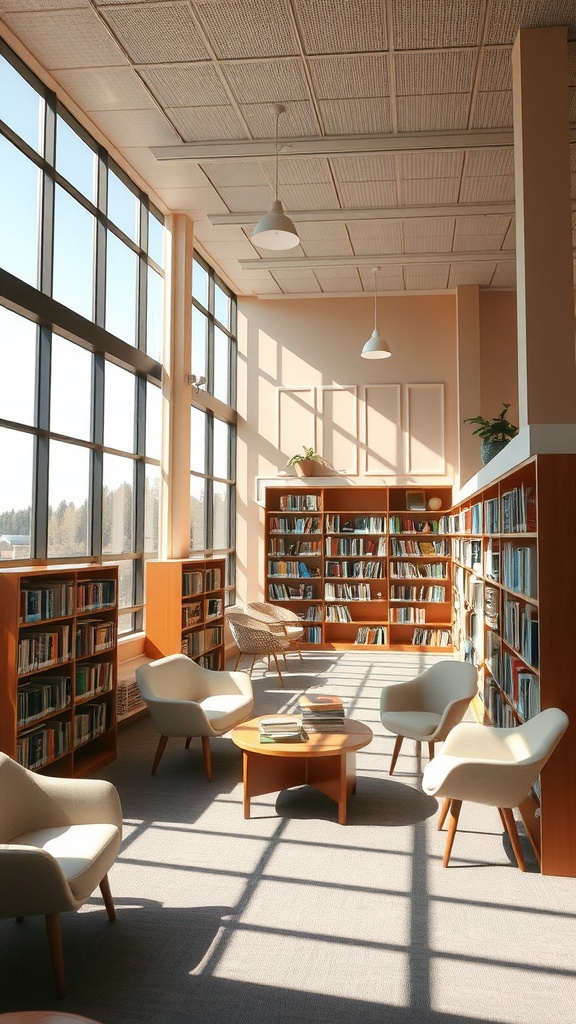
(376, 347)
(275, 230)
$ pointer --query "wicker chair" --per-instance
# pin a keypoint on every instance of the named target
(256, 638)
(281, 621)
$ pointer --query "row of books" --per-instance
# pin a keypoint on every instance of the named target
(373, 569)
(212, 580)
(191, 614)
(519, 568)
(36, 748)
(290, 568)
(355, 546)
(407, 614)
(422, 547)
(210, 660)
(42, 697)
(93, 594)
(322, 713)
(283, 592)
(94, 635)
(347, 592)
(429, 593)
(360, 524)
(407, 570)
(400, 524)
(192, 583)
(294, 524)
(520, 629)
(89, 722)
(94, 678)
(50, 601)
(300, 503)
(42, 648)
(280, 546)
(338, 613)
(432, 637)
(372, 635)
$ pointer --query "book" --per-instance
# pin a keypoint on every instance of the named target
(321, 701)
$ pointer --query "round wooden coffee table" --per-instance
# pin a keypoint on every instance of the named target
(43, 1017)
(326, 761)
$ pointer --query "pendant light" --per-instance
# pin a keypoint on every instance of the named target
(275, 230)
(375, 347)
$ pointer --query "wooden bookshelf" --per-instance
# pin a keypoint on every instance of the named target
(58, 665)
(339, 558)
(185, 609)
(514, 618)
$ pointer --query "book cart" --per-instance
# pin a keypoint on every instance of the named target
(185, 609)
(513, 558)
(58, 663)
(359, 566)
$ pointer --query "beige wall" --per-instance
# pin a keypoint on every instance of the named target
(498, 354)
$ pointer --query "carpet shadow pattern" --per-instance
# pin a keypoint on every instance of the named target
(292, 917)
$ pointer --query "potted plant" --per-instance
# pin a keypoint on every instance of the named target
(307, 463)
(495, 433)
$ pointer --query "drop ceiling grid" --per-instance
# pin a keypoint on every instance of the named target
(486, 163)
(352, 76)
(107, 88)
(478, 243)
(507, 16)
(377, 167)
(471, 273)
(294, 171)
(248, 199)
(356, 117)
(154, 33)
(445, 71)
(383, 233)
(496, 69)
(432, 113)
(421, 24)
(329, 26)
(487, 189)
(186, 85)
(247, 173)
(368, 194)
(426, 276)
(488, 224)
(504, 276)
(66, 38)
(312, 196)
(207, 124)
(297, 120)
(390, 279)
(429, 192)
(431, 165)
(261, 28)
(281, 80)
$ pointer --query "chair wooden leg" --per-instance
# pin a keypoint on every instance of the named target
(54, 933)
(455, 806)
(237, 660)
(252, 666)
(510, 826)
(299, 649)
(107, 897)
(430, 750)
(188, 742)
(278, 669)
(395, 753)
(207, 757)
(443, 812)
(159, 751)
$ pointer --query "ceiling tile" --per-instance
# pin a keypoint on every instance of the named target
(504, 276)
(191, 200)
(315, 196)
(369, 237)
(487, 190)
(478, 243)
(431, 165)
(449, 71)
(141, 128)
(426, 276)
(493, 110)
(171, 173)
(66, 38)
(186, 85)
(358, 77)
(297, 120)
(329, 26)
(325, 247)
(486, 163)
(429, 192)
(278, 81)
(108, 88)
(471, 273)
(356, 117)
(203, 124)
(507, 16)
(151, 33)
(496, 69)
(376, 167)
(420, 24)
(261, 28)
(433, 113)
(368, 193)
(248, 199)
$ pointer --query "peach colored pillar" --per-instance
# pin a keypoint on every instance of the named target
(469, 392)
(546, 363)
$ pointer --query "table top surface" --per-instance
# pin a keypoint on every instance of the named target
(318, 744)
(43, 1017)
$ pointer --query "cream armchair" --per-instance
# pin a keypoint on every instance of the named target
(492, 766)
(427, 707)
(187, 700)
(58, 840)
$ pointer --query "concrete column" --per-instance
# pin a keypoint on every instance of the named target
(175, 500)
(545, 288)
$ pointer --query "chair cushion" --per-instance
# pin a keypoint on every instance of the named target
(85, 853)
(225, 710)
(415, 725)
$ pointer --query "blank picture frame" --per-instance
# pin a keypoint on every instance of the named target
(415, 501)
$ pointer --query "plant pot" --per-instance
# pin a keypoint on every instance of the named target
(488, 449)
(306, 467)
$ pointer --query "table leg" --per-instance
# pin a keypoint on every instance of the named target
(245, 784)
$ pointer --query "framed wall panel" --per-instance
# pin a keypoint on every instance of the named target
(424, 429)
(296, 420)
(383, 451)
(338, 427)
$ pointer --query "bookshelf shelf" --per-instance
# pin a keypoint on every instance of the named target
(513, 618)
(58, 635)
(185, 609)
(366, 540)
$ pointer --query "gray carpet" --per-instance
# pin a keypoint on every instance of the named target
(291, 917)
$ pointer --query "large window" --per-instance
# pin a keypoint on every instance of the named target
(80, 399)
(213, 423)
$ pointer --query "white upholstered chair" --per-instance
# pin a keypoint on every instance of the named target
(58, 840)
(427, 707)
(184, 699)
(492, 766)
(281, 620)
(257, 639)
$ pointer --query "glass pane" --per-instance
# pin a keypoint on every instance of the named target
(151, 509)
(16, 493)
(75, 160)
(68, 489)
(221, 388)
(199, 342)
(221, 515)
(222, 306)
(126, 624)
(200, 284)
(119, 398)
(123, 207)
(21, 107)
(19, 213)
(197, 440)
(121, 289)
(70, 389)
(117, 505)
(153, 421)
(155, 240)
(17, 386)
(197, 517)
(74, 229)
(220, 459)
(155, 315)
(125, 584)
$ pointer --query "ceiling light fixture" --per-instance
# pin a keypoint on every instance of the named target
(375, 347)
(275, 230)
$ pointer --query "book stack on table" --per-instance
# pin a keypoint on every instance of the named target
(281, 729)
(322, 712)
